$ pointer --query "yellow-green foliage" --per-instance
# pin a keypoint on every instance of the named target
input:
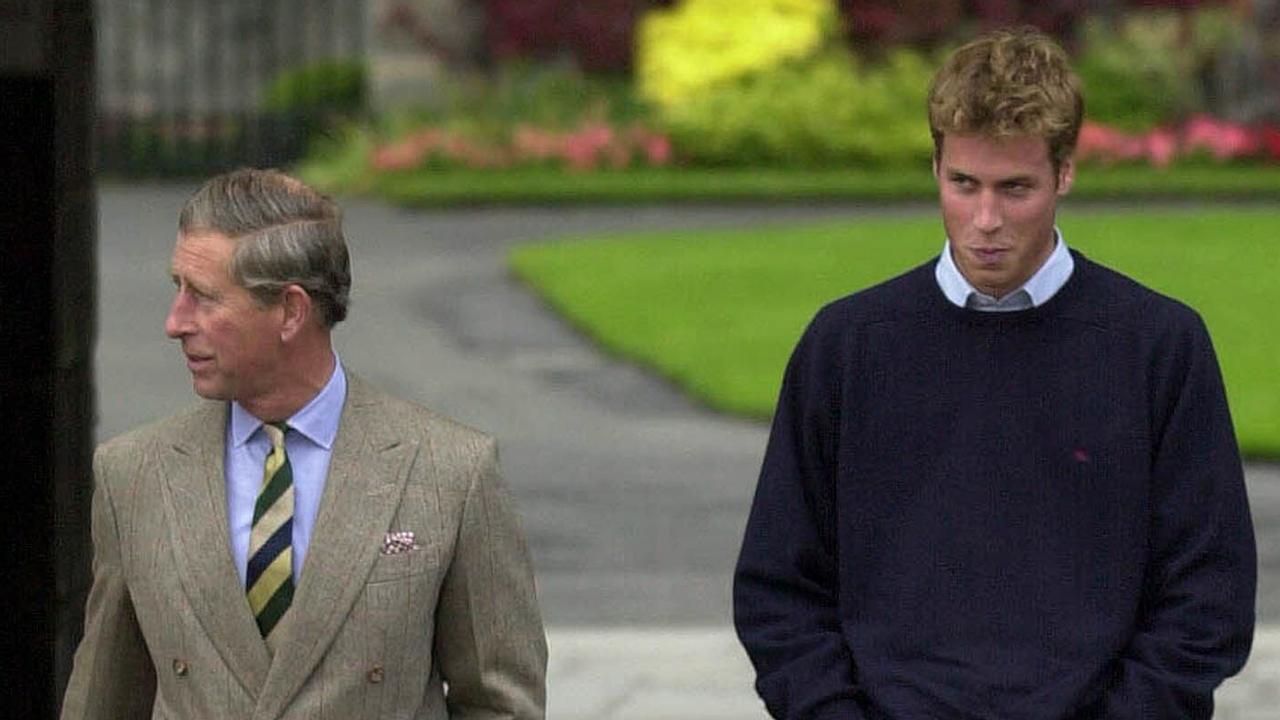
(697, 44)
(827, 110)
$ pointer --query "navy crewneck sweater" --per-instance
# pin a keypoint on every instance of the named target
(1036, 514)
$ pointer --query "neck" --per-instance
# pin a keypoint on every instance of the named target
(308, 372)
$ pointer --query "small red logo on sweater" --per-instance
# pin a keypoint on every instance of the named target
(1080, 455)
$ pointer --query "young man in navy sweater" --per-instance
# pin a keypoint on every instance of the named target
(1004, 484)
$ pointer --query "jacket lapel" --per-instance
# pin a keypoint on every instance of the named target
(192, 467)
(367, 474)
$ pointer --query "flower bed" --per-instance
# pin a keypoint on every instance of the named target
(1200, 136)
(588, 147)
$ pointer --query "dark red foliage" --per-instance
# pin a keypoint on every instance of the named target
(1270, 138)
(598, 35)
(872, 25)
(1176, 4)
(602, 33)
(876, 24)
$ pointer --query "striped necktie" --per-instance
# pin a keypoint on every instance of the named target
(270, 575)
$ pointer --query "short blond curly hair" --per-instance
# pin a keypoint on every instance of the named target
(1008, 82)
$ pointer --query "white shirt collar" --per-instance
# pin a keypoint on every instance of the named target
(317, 420)
(1041, 286)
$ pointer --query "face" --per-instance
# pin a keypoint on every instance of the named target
(999, 196)
(231, 342)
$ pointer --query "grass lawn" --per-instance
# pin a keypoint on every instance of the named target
(718, 312)
(435, 188)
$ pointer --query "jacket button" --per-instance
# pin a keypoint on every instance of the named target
(180, 667)
(375, 674)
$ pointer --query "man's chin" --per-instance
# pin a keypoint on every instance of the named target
(990, 283)
(209, 390)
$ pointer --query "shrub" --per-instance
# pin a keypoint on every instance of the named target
(550, 95)
(685, 50)
(827, 111)
(516, 116)
(331, 86)
(1135, 76)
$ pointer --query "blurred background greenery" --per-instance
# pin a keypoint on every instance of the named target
(411, 99)
(803, 87)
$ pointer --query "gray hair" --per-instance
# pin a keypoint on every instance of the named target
(286, 233)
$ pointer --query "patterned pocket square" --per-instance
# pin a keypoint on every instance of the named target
(398, 542)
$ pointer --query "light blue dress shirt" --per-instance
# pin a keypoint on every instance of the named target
(309, 445)
(1036, 291)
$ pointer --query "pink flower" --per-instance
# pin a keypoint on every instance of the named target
(1224, 140)
(1162, 146)
(535, 143)
(585, 148)
(403, 155)
(1108, 145)
(579, 153)
(588, 147)
(655, 148)
(394, 157)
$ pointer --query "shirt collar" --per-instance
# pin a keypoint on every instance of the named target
(317, 420)
(1041, 286)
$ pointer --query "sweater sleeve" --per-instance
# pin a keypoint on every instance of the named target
(786, 586)
(1195, 623)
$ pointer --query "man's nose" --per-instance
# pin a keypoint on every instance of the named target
(988, 218)
(178, 322)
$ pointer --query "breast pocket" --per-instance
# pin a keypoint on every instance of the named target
(406, 563)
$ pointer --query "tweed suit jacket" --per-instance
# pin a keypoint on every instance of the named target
(168, 630)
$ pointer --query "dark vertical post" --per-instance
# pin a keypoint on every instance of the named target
(26, 294)
(47, 295)
(75, 272)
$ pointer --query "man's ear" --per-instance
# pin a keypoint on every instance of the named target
(297, 307)
(1066, 176)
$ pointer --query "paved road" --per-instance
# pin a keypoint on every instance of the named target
(633, 498)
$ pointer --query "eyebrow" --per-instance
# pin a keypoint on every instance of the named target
(955, 174)
(178, 280)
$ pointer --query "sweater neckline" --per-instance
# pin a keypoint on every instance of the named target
(1062, 298)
